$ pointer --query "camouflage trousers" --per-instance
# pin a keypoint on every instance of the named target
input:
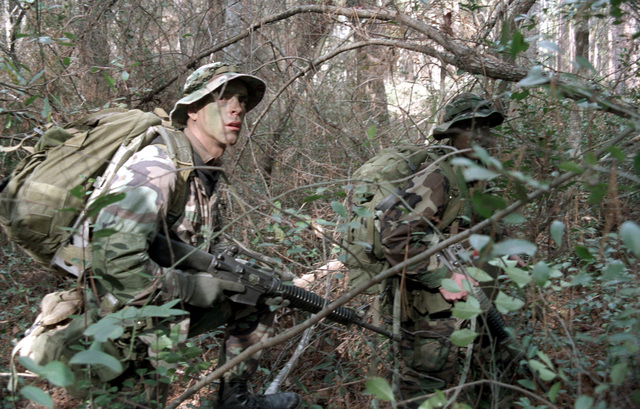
(428, 358)
(246, 326)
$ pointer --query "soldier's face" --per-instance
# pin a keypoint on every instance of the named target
(466, 138)
(221, 118)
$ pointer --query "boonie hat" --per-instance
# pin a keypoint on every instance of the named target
(209, 78)
(464, 109)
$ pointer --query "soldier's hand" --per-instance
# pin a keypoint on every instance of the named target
(202, 289)
(460, 295)
(276, 302)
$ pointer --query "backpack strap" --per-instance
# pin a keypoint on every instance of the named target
(456, 205)
(179, 149)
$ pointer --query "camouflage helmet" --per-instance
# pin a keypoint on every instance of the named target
(465, 109)
(209, 78)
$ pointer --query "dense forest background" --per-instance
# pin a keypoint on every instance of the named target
(345, 80)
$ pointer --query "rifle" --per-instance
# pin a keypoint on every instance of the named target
(260, 283)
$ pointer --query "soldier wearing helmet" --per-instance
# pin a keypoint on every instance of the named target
(210, 114)
(433, 206)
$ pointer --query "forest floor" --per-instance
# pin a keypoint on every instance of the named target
(336, 362)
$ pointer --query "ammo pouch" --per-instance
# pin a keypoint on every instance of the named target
(57, 330)
(56, 308)
(431, 350)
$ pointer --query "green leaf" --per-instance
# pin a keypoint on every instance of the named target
(466, 310)
(96, 358)
(30, 365)
(554, 391)
(103, 233)
(613, 271)
(463, 337)
(312, 198)
(518, 44)
(486, 204)
(478, 241)
(105, 329)
(545, 358)
(584, 63)
(580, 279)
(557, 231)
(434, 402)
(541, 273)
(124, 76)
(505, 303)
(103, 201)
(583, 253)
(339, 209)
(362, 211)
(543, 372)
(619, 373)
(37, 395)
(630, 234)
(597, 192)
(371, 132)
(584, 402)
(514, 218)
(519, 96)
(590, 159)
(571, 167)
(534, 77)
(479, 275)
(161, 311)
(110, 81)
(58, 374)
(528, 384)
(636, 163)
(450, 285)
(379, 388)
(31, 99)
(46, 109)
(478, 173)
(519, 276)
(514, 246)
(36, 77)
(617, 153)
(78, 192)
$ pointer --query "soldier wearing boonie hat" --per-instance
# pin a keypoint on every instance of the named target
(210, 78)
(434, 205)
(161, 197)
(467, 110)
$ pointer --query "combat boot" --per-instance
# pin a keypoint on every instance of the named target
(235, 395)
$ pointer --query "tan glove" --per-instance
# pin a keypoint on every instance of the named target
(202, 289)
(275, 303)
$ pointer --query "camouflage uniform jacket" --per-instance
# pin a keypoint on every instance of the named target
(148, 180)
(408, 227)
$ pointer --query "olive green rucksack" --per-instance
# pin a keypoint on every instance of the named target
(47, 191)
(378, 179)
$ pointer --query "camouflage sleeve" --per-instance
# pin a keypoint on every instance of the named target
(120, 260)
(408, 227)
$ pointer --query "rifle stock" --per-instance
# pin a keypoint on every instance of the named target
(259, 283)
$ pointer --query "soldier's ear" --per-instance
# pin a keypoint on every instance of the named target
(192, 111)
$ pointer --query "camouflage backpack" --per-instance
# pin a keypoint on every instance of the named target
(52, 190)
(375, 183)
